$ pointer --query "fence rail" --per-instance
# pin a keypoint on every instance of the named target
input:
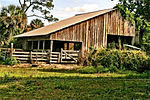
(65, 56)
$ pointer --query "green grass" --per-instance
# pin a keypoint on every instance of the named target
(46, 83)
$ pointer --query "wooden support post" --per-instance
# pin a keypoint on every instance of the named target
(31, 61)
(11, 50)
(50, 57)
(51, 46)
(38, 45)
(43, 44)
(87, 36)
(36, 59)
(32, 46)
(61, 55)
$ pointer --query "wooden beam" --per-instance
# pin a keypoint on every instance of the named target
(51, 45)
(32, 45)
(104, 32)
(61, 53)
(31, 61)
(87, 31)
(43, 44)
(38, 44)
(11, 50)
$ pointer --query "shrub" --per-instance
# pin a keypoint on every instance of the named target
(120, 59)
(101, 69)
(11, 61)
(113, 69)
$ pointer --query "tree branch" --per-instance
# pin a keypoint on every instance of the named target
(20, 3)
(31, 3)
(36, 16)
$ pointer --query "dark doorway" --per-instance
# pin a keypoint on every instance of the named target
(66, 45)
(29, 47)
(116, 38)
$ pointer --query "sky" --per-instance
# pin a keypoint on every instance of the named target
(66, 8)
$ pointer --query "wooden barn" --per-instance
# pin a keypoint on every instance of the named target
(80, 32)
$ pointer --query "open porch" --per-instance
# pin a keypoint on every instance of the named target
(53, 45)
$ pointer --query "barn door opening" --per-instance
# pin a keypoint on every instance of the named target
(115, 39)
(66, 45)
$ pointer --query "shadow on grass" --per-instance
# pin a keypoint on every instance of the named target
(129, 74)
(59, 70)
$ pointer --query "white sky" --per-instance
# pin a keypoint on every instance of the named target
(67, 8)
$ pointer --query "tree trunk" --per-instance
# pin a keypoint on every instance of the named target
(10, 36)
(141, 33)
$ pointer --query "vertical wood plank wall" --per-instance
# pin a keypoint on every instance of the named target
(93, 32)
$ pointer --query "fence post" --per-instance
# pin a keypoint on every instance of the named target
(50, 56)
(59, 58)
(61, 54)
(11, 50)
(31, 57)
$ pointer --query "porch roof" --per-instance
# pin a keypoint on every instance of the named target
(64, 23)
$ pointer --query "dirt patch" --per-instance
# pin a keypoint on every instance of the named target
(58, 66)
(3, 65)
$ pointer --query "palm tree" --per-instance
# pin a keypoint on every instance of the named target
(36, 23)
(13, 21)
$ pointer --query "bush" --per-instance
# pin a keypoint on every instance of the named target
(120, 59)
(11, 61)
(113, 69)
(101, 69)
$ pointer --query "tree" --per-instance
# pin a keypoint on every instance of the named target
(35, 23)
(137, 11)
(13, 21)
(43, 6)
(139, 7)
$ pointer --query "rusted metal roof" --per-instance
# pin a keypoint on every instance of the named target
(64, 23)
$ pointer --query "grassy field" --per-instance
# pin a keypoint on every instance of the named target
(47, 83)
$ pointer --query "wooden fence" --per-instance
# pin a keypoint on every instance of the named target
(65, 56)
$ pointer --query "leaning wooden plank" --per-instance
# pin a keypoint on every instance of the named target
(68, 58)
(71, 54)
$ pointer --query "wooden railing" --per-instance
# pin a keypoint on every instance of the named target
(65, 56)
(69, 56)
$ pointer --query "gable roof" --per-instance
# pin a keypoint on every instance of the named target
(64, 23)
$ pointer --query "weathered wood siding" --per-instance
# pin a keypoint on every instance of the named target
(93, 32)
(90, 33)
(117, 25)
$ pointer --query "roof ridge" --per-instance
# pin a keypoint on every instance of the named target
(93, 11)
(51, 28)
